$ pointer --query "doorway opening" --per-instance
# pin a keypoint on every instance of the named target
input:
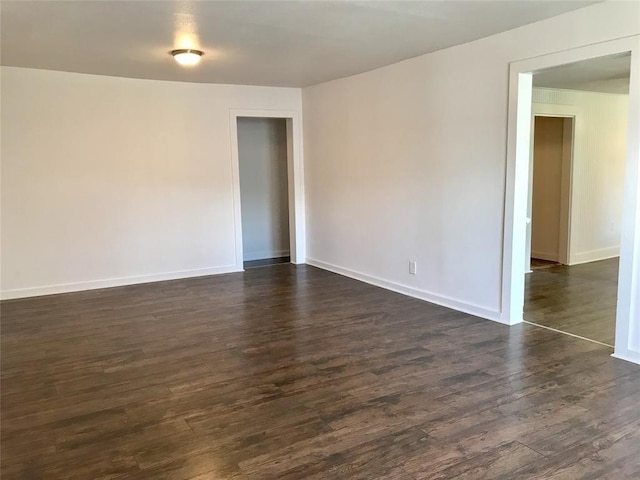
(264, 191)
(592, 289)
(575, 196)
(268, 187)
(550, 192)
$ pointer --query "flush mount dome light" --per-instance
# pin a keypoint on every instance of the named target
(187, 57)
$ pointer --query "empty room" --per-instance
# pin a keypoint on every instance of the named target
(255, 240)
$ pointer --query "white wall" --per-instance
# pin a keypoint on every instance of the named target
(108, 181)
(414, 155)
(598, 168)
(262, 153)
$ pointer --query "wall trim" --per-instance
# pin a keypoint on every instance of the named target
(114, 282)
(441, 300)
(630, 356)
(595, 255)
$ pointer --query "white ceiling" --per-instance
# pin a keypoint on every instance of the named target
(284, 43)
(608, 74)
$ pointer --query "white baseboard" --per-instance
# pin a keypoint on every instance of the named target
(550, 257)
(595, 255)
(441, 300)
(114, 282)
(262, 255)
(630, 356)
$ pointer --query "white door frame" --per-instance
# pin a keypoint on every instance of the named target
(295, 167)
(627, 341)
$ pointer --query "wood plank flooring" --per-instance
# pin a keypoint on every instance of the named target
(291, 372)
(580, 299)
(537, 263)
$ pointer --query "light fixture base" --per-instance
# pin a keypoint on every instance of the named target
(187, 56)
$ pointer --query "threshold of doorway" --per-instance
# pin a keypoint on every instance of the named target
(567, 333)
(266, 262)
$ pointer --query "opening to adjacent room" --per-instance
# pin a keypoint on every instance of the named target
(268, 186)
(548, 214)
(598, 281)
(264, 190)
(576, 186)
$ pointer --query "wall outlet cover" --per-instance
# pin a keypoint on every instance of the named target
(413, 267)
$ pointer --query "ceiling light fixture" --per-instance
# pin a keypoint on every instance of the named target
(187, 57)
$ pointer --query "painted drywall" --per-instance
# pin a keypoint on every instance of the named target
(262, 155)
(548, 146)
(598, 170)
(414, 155)
(108, 181)
(614, 85)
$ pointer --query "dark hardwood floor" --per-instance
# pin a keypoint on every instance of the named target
(296, 373)
(580, 299)
(537, 264)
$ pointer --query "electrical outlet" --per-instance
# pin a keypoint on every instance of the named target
(413, 267)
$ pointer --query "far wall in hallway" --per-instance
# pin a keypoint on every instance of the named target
(599, 154)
